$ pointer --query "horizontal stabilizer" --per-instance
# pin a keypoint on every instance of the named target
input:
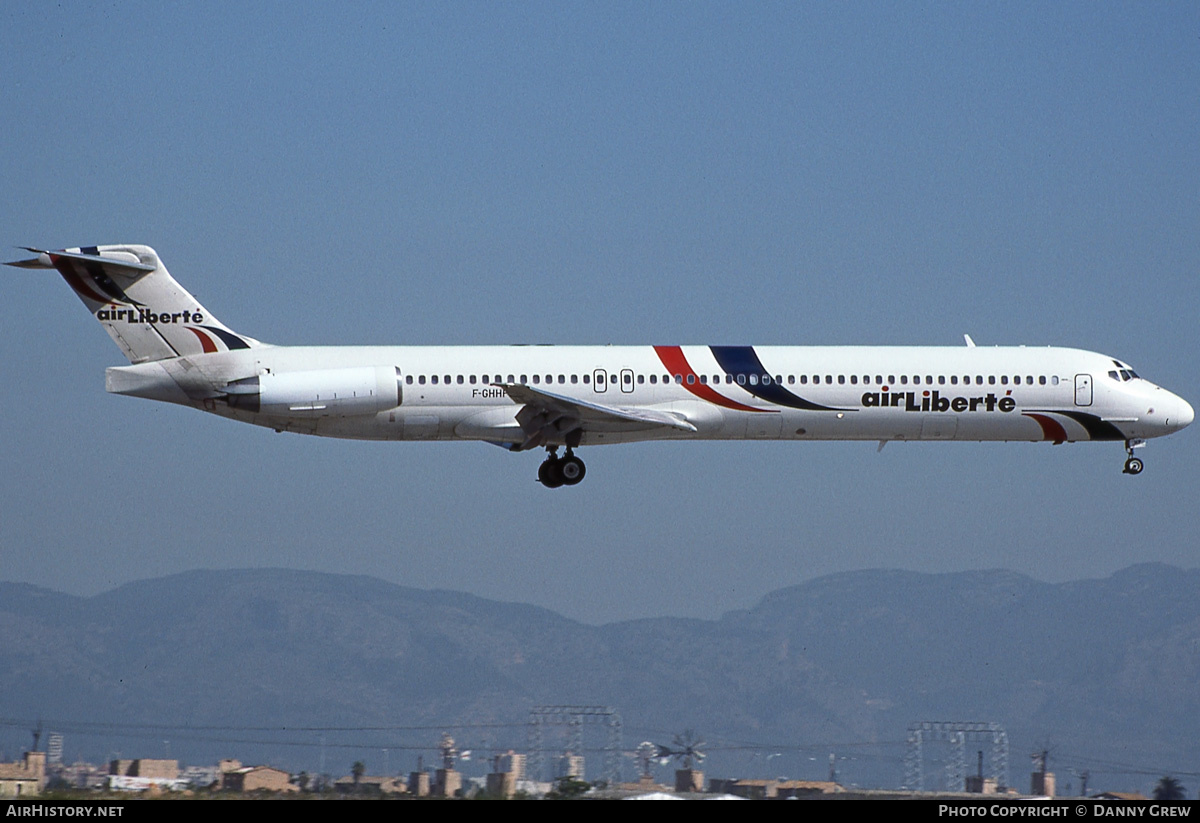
(117, 260)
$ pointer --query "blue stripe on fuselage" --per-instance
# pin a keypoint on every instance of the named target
(737, 360)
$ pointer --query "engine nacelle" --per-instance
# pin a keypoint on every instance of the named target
(320, 393)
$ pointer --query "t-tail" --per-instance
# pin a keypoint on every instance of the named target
(133, 296)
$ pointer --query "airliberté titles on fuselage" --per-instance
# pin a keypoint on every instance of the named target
(564, 397)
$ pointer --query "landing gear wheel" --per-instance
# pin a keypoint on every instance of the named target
(550, 473)
(1132, 464)
(571, 470)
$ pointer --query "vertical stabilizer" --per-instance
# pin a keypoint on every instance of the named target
(133, 296)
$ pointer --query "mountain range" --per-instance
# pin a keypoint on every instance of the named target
(308, 670)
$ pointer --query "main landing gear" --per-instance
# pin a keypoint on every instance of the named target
(558, 471)
(1132, 464)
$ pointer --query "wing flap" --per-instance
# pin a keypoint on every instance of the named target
(546, 415)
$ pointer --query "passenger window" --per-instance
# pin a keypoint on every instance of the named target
(829, 379)
(904, 379)
(954, 380)
(654, 380)
(766, 379)
(641, 379)
(754, 380)
(408, 380)
(1042, 379)
(704, 380)
(691, 379)
(459, 380)
(991, 379)
(537, 378)
(587, 379)
(421, 380)
(562, 378)
(841, 379)
(575, 379)
(804, 380)
(434, 379)
(854, 380)
(1004, 379)
(892, 379)
(941, 379)
(679, 378)
(791, 379)
(471, 379)
(741, 378)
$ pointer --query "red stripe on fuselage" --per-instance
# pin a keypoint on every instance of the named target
(672, 357)
(1051, 428)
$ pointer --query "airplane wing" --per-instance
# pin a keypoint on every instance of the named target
(545, 413)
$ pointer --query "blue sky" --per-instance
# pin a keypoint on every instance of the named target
(598, 173)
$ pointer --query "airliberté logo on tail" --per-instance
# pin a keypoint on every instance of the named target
(141, 315)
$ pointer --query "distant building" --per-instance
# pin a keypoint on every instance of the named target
(25, 778)
(689, 780)
(370, 786)
(507, 771)
(257, 779)
(145, 775)
(569, 765)
(159, 769)
(976, 784)
(447, 783)
(806, 788)
(772, 789)
(54, 748)
(201, 777)
(418, 783)
(1041, 784)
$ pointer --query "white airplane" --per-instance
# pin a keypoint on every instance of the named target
(552, 397)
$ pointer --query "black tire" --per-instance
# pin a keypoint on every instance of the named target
(1133, 466)
(550, 474)
(571, 470)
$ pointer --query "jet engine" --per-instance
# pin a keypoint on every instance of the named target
(318, 393)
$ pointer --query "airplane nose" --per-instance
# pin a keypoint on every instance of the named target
(1184, 415)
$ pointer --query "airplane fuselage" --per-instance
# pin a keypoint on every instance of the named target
(782, 393)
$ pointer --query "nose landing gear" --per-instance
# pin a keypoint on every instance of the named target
(1132, 464)
(565, 471)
